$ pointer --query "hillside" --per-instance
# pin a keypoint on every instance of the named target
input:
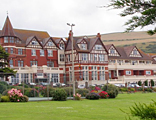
(141, 39)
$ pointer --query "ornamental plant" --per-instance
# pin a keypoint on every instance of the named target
(15, 95)
(104, 94)
(77, 96)
(92, 96)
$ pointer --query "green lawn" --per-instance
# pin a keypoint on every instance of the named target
(104, 109)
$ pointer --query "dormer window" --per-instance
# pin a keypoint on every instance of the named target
(98, 47)
(61, 46)
(50, 43)
(83, 46)
(34, 42)
(112, 51)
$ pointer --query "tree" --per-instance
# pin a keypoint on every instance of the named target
(5, 71)
(142, 11)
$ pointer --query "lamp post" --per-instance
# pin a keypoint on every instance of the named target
(71, 25)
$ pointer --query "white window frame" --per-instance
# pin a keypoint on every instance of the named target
(84, 57)
(98, 47)
(61, 46)
(62, 57)
(50, 43)
(128, 72)
(83, 47)
(41, 52)
(101, 57)
(148, 72)
(50, 53)
(33, 52)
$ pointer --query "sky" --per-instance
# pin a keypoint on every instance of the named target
(53, 15)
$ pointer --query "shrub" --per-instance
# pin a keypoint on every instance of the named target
(140, 89)
(139, 83)
(94, 91)
(111, 89)
(24, 98)
(146, 83)
(77, 96)
(104, 95)
(5, 92)
(124, 89)
(148, 90)
(5, 99)
(152, 83)
(59, 95)
(51, 92)
(132, 89)
(2, 88)
(92, 96)
(15, 95)
(31, 92)
(83, 92)
(69, 91)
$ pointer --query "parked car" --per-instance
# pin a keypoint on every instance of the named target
(81, 86)
(134, 85)
(32, 83)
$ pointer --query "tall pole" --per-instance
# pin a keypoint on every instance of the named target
(73, 79)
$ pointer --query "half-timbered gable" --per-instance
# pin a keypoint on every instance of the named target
(48, 43)
(33, 42)
(135, 53)
(112, 50)
(82, 44)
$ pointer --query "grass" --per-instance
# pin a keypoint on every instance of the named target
(103, 109)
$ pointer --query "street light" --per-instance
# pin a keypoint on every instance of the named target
(71, 25)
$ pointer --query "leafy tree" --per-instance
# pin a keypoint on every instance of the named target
(5, 71)
(142, 11)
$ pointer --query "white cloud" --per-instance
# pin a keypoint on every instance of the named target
(52, 16)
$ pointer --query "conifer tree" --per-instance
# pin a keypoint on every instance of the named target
(5, 71)
(143, 13)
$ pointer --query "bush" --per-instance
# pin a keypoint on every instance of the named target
(31, 92)
(140, 83)
(111, 89)
(77, 96)
(15, 95)
(5, 99)
(24, 98)
(104, 95)
(51, 92)
(140, 89)
(5, 92)
(69, 91)
(92, 96)
(152, 83)
(59, 95)
(83, 92)
(146, 83)
(2, 88)
(0, 97)
(148, 90)
(124, 89)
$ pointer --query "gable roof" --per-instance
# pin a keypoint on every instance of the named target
(7, 28)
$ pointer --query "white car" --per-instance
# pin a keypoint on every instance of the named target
(81, 86)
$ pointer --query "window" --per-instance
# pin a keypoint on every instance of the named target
(68, 58)
(112, 51)
(33, 63)
(5, 39)
(15, 80)
(19, 51)
(50, 43)
(34, 42)
(101, 57)
(50, 53)
(33, 52)
(61, 46)
(83, 46)
(41, 52)
(91, 57)
(148, 72)
(50, 63)
(128, 72)
(11, 50)
(98, 47)
(86, 75)
(92, 75)
(84, 57)
(135, 52)
(95, 57)
(25, 77)
(11, 63)
(83, 75)
(102, 75)
(20, 63)
(54, 78)
(6, 50)
(61, 57)
(11, 39)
